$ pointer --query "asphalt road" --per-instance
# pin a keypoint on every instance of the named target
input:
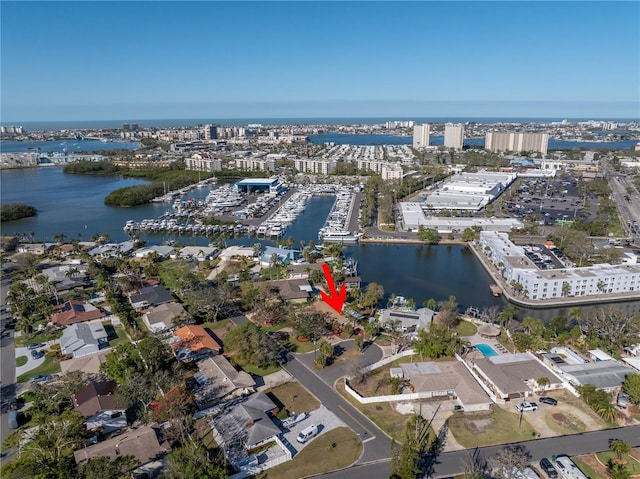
(7, 364)
(377, 444)
(452, 463)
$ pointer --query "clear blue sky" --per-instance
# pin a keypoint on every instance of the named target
(148, 60)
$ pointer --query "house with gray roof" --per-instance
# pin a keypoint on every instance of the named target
(247, 423)
(81, 339)
(110, 250)
(160, 250)
(150, 296)
(514, 376)
(162, 317)
(605, 375)
(407, 320)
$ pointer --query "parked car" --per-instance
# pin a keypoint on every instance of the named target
(307, 434)
(623, 400)
(549, 400)
(547, 467)
(35, 354)
(36, 346)
(526, 406)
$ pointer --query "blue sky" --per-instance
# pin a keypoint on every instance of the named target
(148, 60)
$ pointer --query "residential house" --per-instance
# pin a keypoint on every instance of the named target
(81, 339)
(447, 380)
(283, 255)
(100, 407)
(74, 311)
(162, 317)
(37, 249)
(247, 423)
(141, 443)
(293, 290)
(162, 251)
(193, 342)
(406, 319)
(150, 296)
(111, 250)
(606, 375)
(217, 380)
(514, 376)
(67, 276)
(200, 253)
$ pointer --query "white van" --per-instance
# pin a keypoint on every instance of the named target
(307, 433)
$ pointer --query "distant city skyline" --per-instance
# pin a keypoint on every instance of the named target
(74, 61)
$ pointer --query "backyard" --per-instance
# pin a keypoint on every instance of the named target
(292, 398)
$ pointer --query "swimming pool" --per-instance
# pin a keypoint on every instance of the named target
(487, 350)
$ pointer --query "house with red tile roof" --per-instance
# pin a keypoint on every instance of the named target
(194, 342)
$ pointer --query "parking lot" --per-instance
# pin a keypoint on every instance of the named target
(547, 201)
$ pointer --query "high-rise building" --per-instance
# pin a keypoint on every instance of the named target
(421, 135)
(515, 141)
(453, 136)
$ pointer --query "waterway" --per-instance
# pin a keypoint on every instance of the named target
(382, 139)
(74, 205)
(70, 146)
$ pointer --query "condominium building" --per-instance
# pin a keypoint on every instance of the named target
(388, 171)
(453, 136)
(256, 164)
(536, 283)
(314, 165)
(421, 135)
(203, 162)
(516, 141)
(210, 132)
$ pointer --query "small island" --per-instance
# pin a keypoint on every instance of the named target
(16, 211)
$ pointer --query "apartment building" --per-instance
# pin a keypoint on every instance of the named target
(314, 165)
(453, 136)
(203, 162)
(256, 164)
(536, 283)
(421, 135)
(516, 141)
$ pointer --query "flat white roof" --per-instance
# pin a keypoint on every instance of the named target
(257, 181)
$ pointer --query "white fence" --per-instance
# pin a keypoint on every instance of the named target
(394, 397)
(388, 360)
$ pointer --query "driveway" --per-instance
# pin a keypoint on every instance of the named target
(321, 417)
(30, 364)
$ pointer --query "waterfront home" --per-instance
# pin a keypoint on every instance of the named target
(193, 342)
(142, 443)
(111, 250)
(200, 253)
(513, 376)
(162, 251)
(100, 407)
(150, 296)
(163, 316)
(217, 380)
(74, 311)
(37, 249)
(67, 276)
(282, 255)
(448, 380)
(405, 319)
(82, 339)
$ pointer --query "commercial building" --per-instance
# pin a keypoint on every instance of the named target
(453, 136)
(266, 185)
(421, 135)
(413, 216)
(516, 141)
(203, 162)
(534, 283)
(314, 165)
(469, 191)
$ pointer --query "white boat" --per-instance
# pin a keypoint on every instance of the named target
(340, 236)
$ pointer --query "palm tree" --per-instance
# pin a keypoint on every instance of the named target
(620, 447)
(431, 304)
(607, 411)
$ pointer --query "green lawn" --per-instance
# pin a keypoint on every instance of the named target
(255, 370)
(292, 397)
(497, 427)
(24, 341)
(223, 324)
(466, 328)
(632, 464)
(301, 347)
(49, 366)
(336, 449)
(382, 414)
(21, 361)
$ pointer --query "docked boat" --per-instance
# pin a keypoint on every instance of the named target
(334, 236)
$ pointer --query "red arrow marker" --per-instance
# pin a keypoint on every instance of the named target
(336, 301)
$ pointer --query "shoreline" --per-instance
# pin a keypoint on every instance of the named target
(548, 303)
